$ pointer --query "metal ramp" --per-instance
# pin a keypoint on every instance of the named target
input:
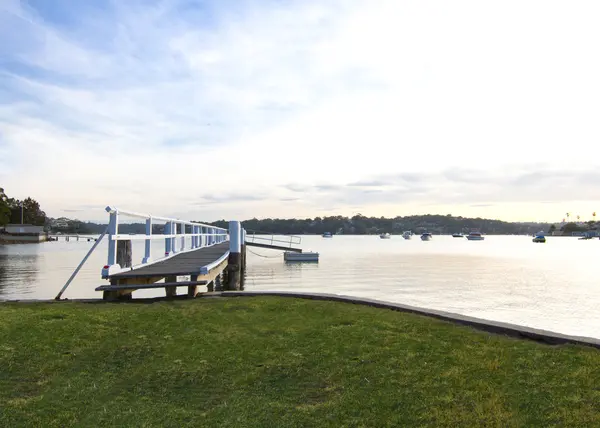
(273, 241)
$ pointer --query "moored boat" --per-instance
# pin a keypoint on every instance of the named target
(539, 239)
(458, 235)
(426, 236)
(475, 236)
(308, 256)
(327, 235)
(385, 236)
(407, 234)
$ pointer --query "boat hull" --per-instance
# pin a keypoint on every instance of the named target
(475, 238)
(289, 256)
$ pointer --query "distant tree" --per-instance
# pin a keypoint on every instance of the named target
(4, 208)
(32, 213)
(572, 227)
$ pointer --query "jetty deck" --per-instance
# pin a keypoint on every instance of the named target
(196, 262)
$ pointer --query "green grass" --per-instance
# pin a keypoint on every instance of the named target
(279, 362)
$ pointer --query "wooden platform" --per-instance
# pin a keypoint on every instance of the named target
(190, 263)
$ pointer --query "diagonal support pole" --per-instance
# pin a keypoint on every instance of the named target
(76, 271)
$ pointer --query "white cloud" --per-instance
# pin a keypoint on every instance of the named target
(154, 107)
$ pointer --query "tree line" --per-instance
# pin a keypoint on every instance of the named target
(362, 225)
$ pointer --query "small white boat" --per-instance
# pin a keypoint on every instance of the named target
(458, 235)
(475, 236)
(385, 236)
(308, 256)
(407, 234)
(426, 236)
(327, 235)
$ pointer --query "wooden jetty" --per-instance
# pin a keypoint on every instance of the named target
(210, 256)
(67, 237)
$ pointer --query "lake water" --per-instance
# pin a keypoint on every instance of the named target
(552, 286)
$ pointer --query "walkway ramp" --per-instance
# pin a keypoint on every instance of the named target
(197, 262)
(273, 241)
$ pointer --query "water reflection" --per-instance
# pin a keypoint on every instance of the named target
(19, 270)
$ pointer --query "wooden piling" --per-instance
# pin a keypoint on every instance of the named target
(218, 283)
(235, 257)
(123, 260)
(193, 289)
(243, 252)
(124, 253)
(171, 291)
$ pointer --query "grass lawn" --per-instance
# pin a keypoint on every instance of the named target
(279, 362)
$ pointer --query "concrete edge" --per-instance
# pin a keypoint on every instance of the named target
(506, 329)
(496, 327)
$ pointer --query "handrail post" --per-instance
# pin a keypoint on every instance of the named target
(148, 252)
(167, 240)
(113, 229)
(173, 239)
(183, 237)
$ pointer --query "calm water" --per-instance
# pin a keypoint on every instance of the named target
(552, 286)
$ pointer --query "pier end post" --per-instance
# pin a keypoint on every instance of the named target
(235, 256)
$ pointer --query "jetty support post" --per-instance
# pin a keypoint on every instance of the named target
(124, 259)
(193, 289)
(171, 291)
(243, 251)
(235, 262)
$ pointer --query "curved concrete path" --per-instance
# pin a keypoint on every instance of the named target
(507, 329)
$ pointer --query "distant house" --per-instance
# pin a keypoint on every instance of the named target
(60, 223)
(23, 233)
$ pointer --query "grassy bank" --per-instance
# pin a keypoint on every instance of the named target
(272, 362)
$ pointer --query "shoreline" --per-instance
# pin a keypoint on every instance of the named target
(494, 327)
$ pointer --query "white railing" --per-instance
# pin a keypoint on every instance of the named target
(174, 236)
(272, 239)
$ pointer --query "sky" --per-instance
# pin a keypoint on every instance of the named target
(281, 108)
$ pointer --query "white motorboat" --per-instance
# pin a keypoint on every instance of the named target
(407, 234)
(475, 236)
(327, 235)
(385, 236)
